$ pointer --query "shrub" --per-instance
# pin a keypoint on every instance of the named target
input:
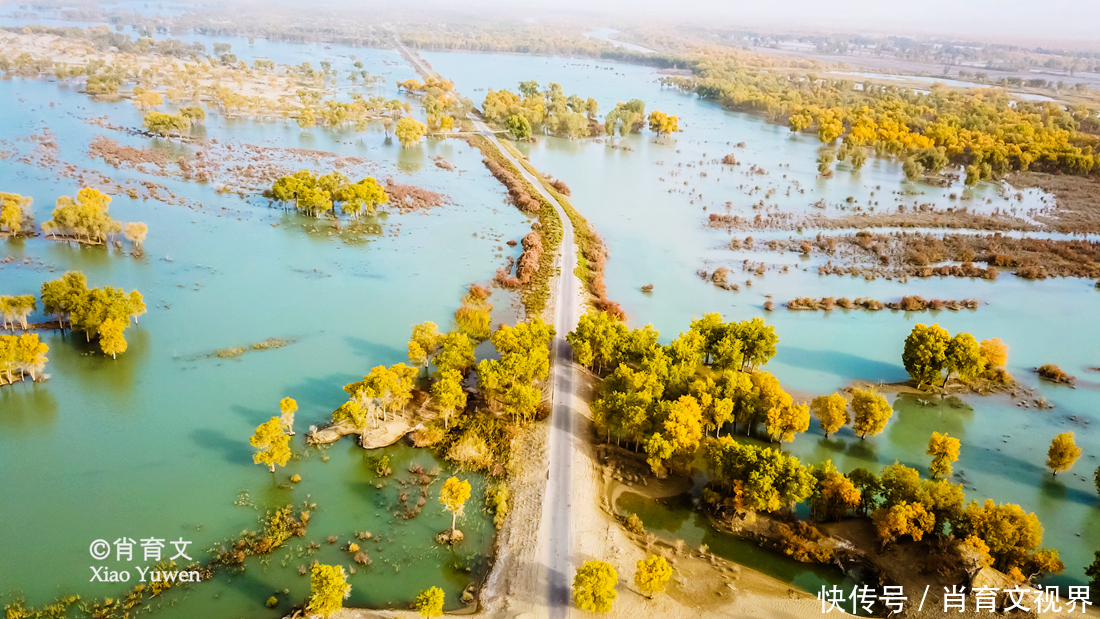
(1055, 374)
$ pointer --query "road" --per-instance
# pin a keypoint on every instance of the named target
(557, 506)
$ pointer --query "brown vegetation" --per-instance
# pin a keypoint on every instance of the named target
(406, 198)
(1055, 374)
(911, 303)
(1077, 209)
(517, 191)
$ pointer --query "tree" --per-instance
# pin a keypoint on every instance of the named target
(596, 339)
(652, 575)
(453, 496)
(872, 411)
(912, 168)
(1011, 535)
(449, 394)
(925, 353)
(963, 356)
(870, 489)
(328, 589)
(424, 343)
(409, 131)
(24, 352)
(147, 99)
(135, 232)
(831, 411)
(663, 124)
(519, 127)
(594, 586)
(16, 308)
(786, 421)
(758, 342)
(904, 518)
(273, 443)
(1063, 453)
(287, 408)
(429, 602)
(61, 295)
(994, 353)
(12, 210)
(766, 478)
(166, 125)
(944, 451)
(524, 358)
(84, 218)
(835, 494)
(111, 340)
(680, 435)
(387, 389)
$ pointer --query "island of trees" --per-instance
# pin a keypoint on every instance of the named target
(689, 398)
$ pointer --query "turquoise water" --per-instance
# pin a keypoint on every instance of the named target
(155, 443)
(659, 237)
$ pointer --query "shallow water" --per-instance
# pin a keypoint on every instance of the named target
(155, 443)
(657, 237)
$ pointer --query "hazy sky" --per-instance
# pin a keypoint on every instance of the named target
(1024, 20)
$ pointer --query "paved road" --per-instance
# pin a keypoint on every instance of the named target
(558, 497)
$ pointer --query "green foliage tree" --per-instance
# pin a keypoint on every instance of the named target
(328, 589)
(167, 125)
(594, 586)
(519, 127)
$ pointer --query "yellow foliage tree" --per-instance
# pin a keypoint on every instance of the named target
(1063, 453)
(831, 411)
(872, 411)
(409, 131)
(594, 586)
(429, 602)
(652, 575)
(453, 496)
(904, 518)
(328, 588)
(944, 450)
(994, 352)
(273, 443)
